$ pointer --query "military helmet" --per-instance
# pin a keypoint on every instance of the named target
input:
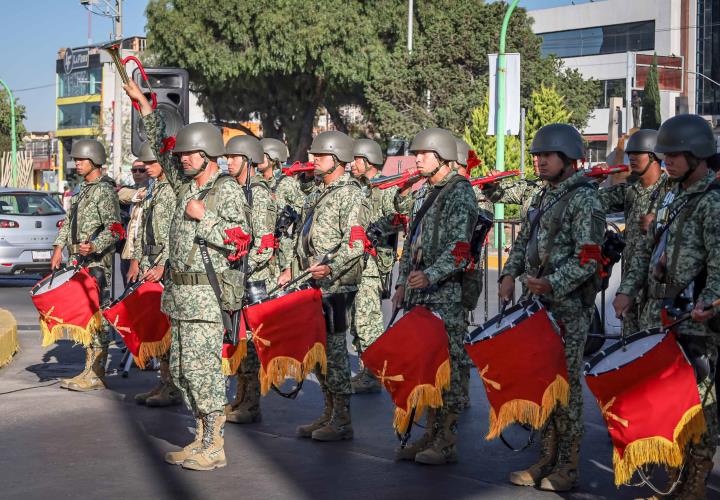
(643, 141)
(559, 138)
(200, 136)
(463, 150)
(370, 150)
(247, 146)
(438, 140)
(146, 153)
(275, 149)
(686, 133)
(89, 149)
(333, 143)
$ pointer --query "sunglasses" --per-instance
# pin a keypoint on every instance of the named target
(138, 170)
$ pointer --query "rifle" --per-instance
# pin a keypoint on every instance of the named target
(389, 181)
(601, 172)
(298, 167)
(489, 179)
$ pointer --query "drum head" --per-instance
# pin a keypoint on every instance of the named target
(621, 353)
(503, 321)
(62, 276)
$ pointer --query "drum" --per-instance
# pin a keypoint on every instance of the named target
(648, 396)
(289, 335)
(68, 301)
(137, 318)
(520, 356)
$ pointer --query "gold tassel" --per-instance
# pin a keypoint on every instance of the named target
(230, 366)
(149, 350)
(660, 450)
(8, 337)
(79, 334)
(523, 411)
(423, 396)
(282, 367)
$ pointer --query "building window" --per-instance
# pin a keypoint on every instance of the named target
(611, 88)
(81, 115)
(708, 52)
(80, 82)
(597, 151)
(612, 39)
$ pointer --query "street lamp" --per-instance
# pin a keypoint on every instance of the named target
(13, 133)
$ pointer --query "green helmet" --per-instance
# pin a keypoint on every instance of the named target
(686, 134)
(333, 143)
(559, 138)
(643, 141)
(370, 150)
(247, 146)
(89, 149)
(200, 136)
(146, 153)
(437, 140)
(463, 149)
(275, 149)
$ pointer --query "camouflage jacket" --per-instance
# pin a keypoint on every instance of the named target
(513, 192)
(440, 262)
(326, 223)
(262, 259)
(196, 302)
(157, 210)
(580, 229)
(97, 208)
(690, 245)
(289, 191)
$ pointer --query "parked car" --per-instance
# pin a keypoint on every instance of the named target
(29, 223)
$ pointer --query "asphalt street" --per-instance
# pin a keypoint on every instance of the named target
(59, 444)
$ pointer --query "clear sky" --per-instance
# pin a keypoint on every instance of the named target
(34, 30)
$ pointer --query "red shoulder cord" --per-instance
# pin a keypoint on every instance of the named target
(357, 233)
(168, 144)
(117, 230)
(268, 241)
(461, 252)
(241, 240)
(594, 252)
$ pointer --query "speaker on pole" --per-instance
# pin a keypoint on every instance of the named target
(171, 88)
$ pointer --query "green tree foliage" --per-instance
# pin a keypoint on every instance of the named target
(5, 122)
(651, 99)
(484, 145)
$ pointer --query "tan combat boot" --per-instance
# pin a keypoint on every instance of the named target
(694, 485)
(443, 449)
(178, 457)
(168, 394)
(564, 475)
(248, 410)
(142, 397)
(541, 468)
(212, 453)
(672, 484)
(409, 452)
(65, 382)
(365, 382)
(94, 379)
(339, 426)
(306, 431)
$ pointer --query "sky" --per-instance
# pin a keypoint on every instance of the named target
(34, 31)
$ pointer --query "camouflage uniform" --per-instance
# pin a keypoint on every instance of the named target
(293, 191)
(582, 223)
(635, 201)
(196, 323)
(692, 244)
(513, 192)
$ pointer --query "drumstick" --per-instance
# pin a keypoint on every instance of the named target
(688, 315)
(325, 259)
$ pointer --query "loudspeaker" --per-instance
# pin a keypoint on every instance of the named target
(681, 105)
(173, 101)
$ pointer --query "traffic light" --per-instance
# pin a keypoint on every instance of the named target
(171, 88)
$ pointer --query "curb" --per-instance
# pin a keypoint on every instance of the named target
(8, 337)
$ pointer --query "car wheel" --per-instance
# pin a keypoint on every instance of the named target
(595, 342)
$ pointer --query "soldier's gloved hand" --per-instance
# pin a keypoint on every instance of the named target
(621, 304)
(195, 209)
(86, 248)
(398, 297)
(699, 314)
(418, 280)
(507, 288)
(56, 258)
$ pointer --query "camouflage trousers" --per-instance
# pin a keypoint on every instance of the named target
(250, 365)
(337, 380)
(102, 338)
(575, 320)
(366, 323)
(196, 364)
(708, 396)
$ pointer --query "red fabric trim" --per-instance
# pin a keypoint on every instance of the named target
(241, 240)
(358, 233)
(461, 252)
(268, 241)
(594, 252)
(473, 160)
(168, 144)
(117, 230)
(400, 220)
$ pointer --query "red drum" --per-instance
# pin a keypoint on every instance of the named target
(68, 301)
(521, 359)
(289, 336)
(137, 317)
(648, 396)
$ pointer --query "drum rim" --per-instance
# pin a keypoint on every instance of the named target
(301, 287)
(589, 365)
(129, 290)
(50, 276)
(528, 305)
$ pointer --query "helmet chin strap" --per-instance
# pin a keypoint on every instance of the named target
(330, 171)
(636, 176)
(441, 164)
(245, 165)
(692, 165)
(197, 171)
(556, 178)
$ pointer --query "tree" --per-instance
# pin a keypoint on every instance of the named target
(651, 117)
(5, 122)
(484, 145)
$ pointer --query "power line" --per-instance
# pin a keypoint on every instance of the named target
(34, 88)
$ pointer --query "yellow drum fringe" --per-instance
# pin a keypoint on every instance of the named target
(8, 337)
(660, 450)
(81, 335)
(149, 350)
(282, 367)
(423, 396)
(523, 411)
(230, 366)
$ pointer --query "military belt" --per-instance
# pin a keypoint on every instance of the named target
(179, 278)
(152, 249)
(74, 249)
(664, 290)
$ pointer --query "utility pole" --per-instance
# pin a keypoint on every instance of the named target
(13, 134)
(117, 105)
(410, 27)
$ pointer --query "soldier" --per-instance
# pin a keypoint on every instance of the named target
(367, 319)
(647, 183)
(565, 225)
(515, 192)
(275, 154)
(208, 207)
(328, 223)
(88, 233)
(431, 274)
(679, 260)
(150, 254)
(244, 154)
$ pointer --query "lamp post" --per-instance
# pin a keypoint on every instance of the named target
(13, 133)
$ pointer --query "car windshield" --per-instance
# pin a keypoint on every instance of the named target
(29, 204)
